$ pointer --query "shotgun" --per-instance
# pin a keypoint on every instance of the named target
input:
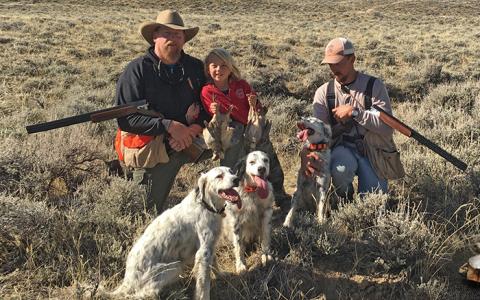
(195, 150)
(96, 116)
(406, 130)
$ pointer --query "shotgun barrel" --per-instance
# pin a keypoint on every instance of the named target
(406, 130)
(96, 116)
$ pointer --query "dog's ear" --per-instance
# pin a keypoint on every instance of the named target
(327, 131)
(240, 167)
(201, 186)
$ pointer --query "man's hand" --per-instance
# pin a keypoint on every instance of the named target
(195, 129)
(311, 161)
(342, 112)
(180, 135)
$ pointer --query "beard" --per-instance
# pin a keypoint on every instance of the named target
(170, 51)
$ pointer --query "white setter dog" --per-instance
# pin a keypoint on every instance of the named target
(253, 221)
(311, 192)
(180, 236)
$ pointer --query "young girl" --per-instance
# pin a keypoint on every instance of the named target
(225, 87)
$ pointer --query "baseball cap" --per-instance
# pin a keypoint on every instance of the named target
(336, 49)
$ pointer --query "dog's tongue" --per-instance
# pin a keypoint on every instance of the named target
(232, 196)
(302, 135)
(262, 190)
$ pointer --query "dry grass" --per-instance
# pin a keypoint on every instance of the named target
(67, 223)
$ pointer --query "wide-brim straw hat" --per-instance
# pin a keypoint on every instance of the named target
(169, 18)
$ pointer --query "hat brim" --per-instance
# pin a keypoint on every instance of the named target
(332, 59)
(147, 30)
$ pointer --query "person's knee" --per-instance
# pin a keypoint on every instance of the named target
(341, 175)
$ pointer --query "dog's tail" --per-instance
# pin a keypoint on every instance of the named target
(122, 291)
(149, 283)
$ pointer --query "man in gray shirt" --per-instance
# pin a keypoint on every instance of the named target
(345, 103)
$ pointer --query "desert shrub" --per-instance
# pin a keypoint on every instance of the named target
(73, 244)
(417, 81)
(268, 82)
(259, 48)
(459, 96)
(432, 289)
(403, 240)
(383, 58)
(50, 165)
(294, 61)
(310, 239)
(284, 112)
(359, 216)
(310, 82)
(411, 57)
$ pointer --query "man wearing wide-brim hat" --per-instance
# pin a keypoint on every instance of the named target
(170, 81)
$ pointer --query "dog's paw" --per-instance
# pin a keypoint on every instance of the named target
(241, 268)
(266, 258)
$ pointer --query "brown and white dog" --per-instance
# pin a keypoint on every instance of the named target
(217, 133)
(183, 235)
(258, 127)
(253, 221)
(311, 192)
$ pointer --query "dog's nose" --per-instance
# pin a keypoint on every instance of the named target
(236, 181)
(262, 170)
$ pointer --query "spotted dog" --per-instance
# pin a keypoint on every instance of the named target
(253, 221)
(311, 191)
(183, 235)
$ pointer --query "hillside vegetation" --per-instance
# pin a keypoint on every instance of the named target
(68, 219)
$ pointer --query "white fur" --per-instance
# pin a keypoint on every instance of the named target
(180, 236)
(312, 191)
(253, 221)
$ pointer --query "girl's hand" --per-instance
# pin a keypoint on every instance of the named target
(252, 99)
(214, 107)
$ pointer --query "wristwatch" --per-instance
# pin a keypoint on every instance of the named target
(354, 112)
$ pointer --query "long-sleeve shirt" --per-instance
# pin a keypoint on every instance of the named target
(238, 91)
(368, 119)
(143, 79)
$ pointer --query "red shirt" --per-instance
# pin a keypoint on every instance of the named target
(237, 95)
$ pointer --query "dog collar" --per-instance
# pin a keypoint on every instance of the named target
(250, 188)
(213, 210)
(317, 147)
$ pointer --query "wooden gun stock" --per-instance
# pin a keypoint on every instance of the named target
(406, 130)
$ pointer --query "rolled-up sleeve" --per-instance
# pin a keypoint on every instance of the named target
(370, 119)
